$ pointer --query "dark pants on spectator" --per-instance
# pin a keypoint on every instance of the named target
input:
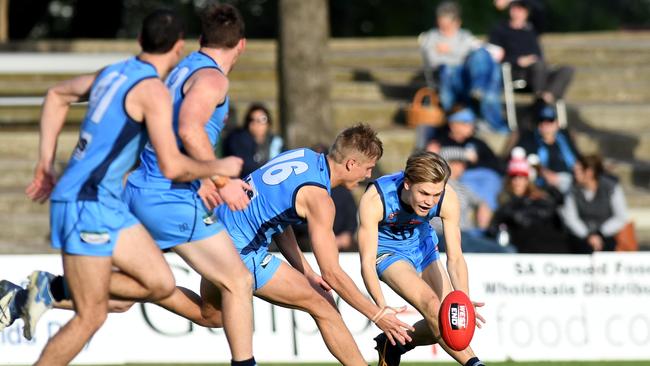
(543, 78)
(580, 246)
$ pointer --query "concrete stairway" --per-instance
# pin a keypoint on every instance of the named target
(373, 80)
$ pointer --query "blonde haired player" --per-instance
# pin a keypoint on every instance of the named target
(398, 246)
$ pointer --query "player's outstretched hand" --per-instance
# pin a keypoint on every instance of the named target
(480, 319)
(42, 184)
(235, 195)
(395, 329)
(209, 194)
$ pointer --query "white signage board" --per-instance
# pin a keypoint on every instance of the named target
(538, 307)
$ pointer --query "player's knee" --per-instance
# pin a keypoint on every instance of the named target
(92, 319)
(246, 282)
(161, 289)
(240, 283)
(318, 307)
(211, 320)
(430, 313)
(121, 307)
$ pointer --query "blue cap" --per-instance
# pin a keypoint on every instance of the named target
(547, 113)
(464, 115)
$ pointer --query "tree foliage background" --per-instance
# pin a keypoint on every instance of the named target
(37, 19)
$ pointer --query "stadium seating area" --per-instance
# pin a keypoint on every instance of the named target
(372, 81)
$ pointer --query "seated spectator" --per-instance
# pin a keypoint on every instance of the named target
(466, 70)
(253, 142)
(528, 215)
(475, 215)
(519, 40)
(594, 211)
(537, 12)
(555, 150)
(483, 174)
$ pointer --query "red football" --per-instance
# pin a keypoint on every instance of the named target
(456, 320)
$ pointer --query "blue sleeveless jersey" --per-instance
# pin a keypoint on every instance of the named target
(400, 227)
(149, 174)
(109, 140)
(273, 197)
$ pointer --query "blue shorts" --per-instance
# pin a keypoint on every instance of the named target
(419, 257)
(88, 228)
(262, 265)
(259, 262)
(172, 216)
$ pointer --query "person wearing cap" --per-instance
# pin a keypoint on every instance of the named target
(484, 169)
(466, 68)
(519, 40)
(556, 151)
(475, 215)
(527, 213)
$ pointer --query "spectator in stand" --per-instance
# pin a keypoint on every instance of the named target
(484, 169)
(555, 149)
(475, 215)
(253, 142)
(595, 210)
(537, 15)
(466, 68)
(519, 39)
(528, 215)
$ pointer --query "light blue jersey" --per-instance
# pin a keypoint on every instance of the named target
(403, 235)
(149, 174)
(272, 207)
(87, 212)
(109, 140)
(173, 213)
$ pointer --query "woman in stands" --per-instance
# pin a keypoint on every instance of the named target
(528, 214)
(594, 209)
(253, 142)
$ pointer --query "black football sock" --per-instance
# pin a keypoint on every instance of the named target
(249, 362)
(474, 361)
(59, 289)
(404, 348)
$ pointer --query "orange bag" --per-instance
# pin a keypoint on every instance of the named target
(418, 113)
(626, 239)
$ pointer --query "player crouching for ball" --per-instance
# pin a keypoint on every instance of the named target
(397, 244)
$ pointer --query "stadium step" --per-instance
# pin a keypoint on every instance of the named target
(616, 130)
(624, 84)
(25, 233)
(22, 144)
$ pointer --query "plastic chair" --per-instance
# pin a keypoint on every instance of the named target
(509, 88)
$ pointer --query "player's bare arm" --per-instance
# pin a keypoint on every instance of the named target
(370, 214)
(456, 265)
(450, 215)
(288, 246)
(316, 206)
(203, 92)
(55, 108)
(149, 102)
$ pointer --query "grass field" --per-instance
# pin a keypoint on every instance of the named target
(511, 363)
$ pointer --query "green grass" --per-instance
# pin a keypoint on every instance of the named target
(511, 363)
